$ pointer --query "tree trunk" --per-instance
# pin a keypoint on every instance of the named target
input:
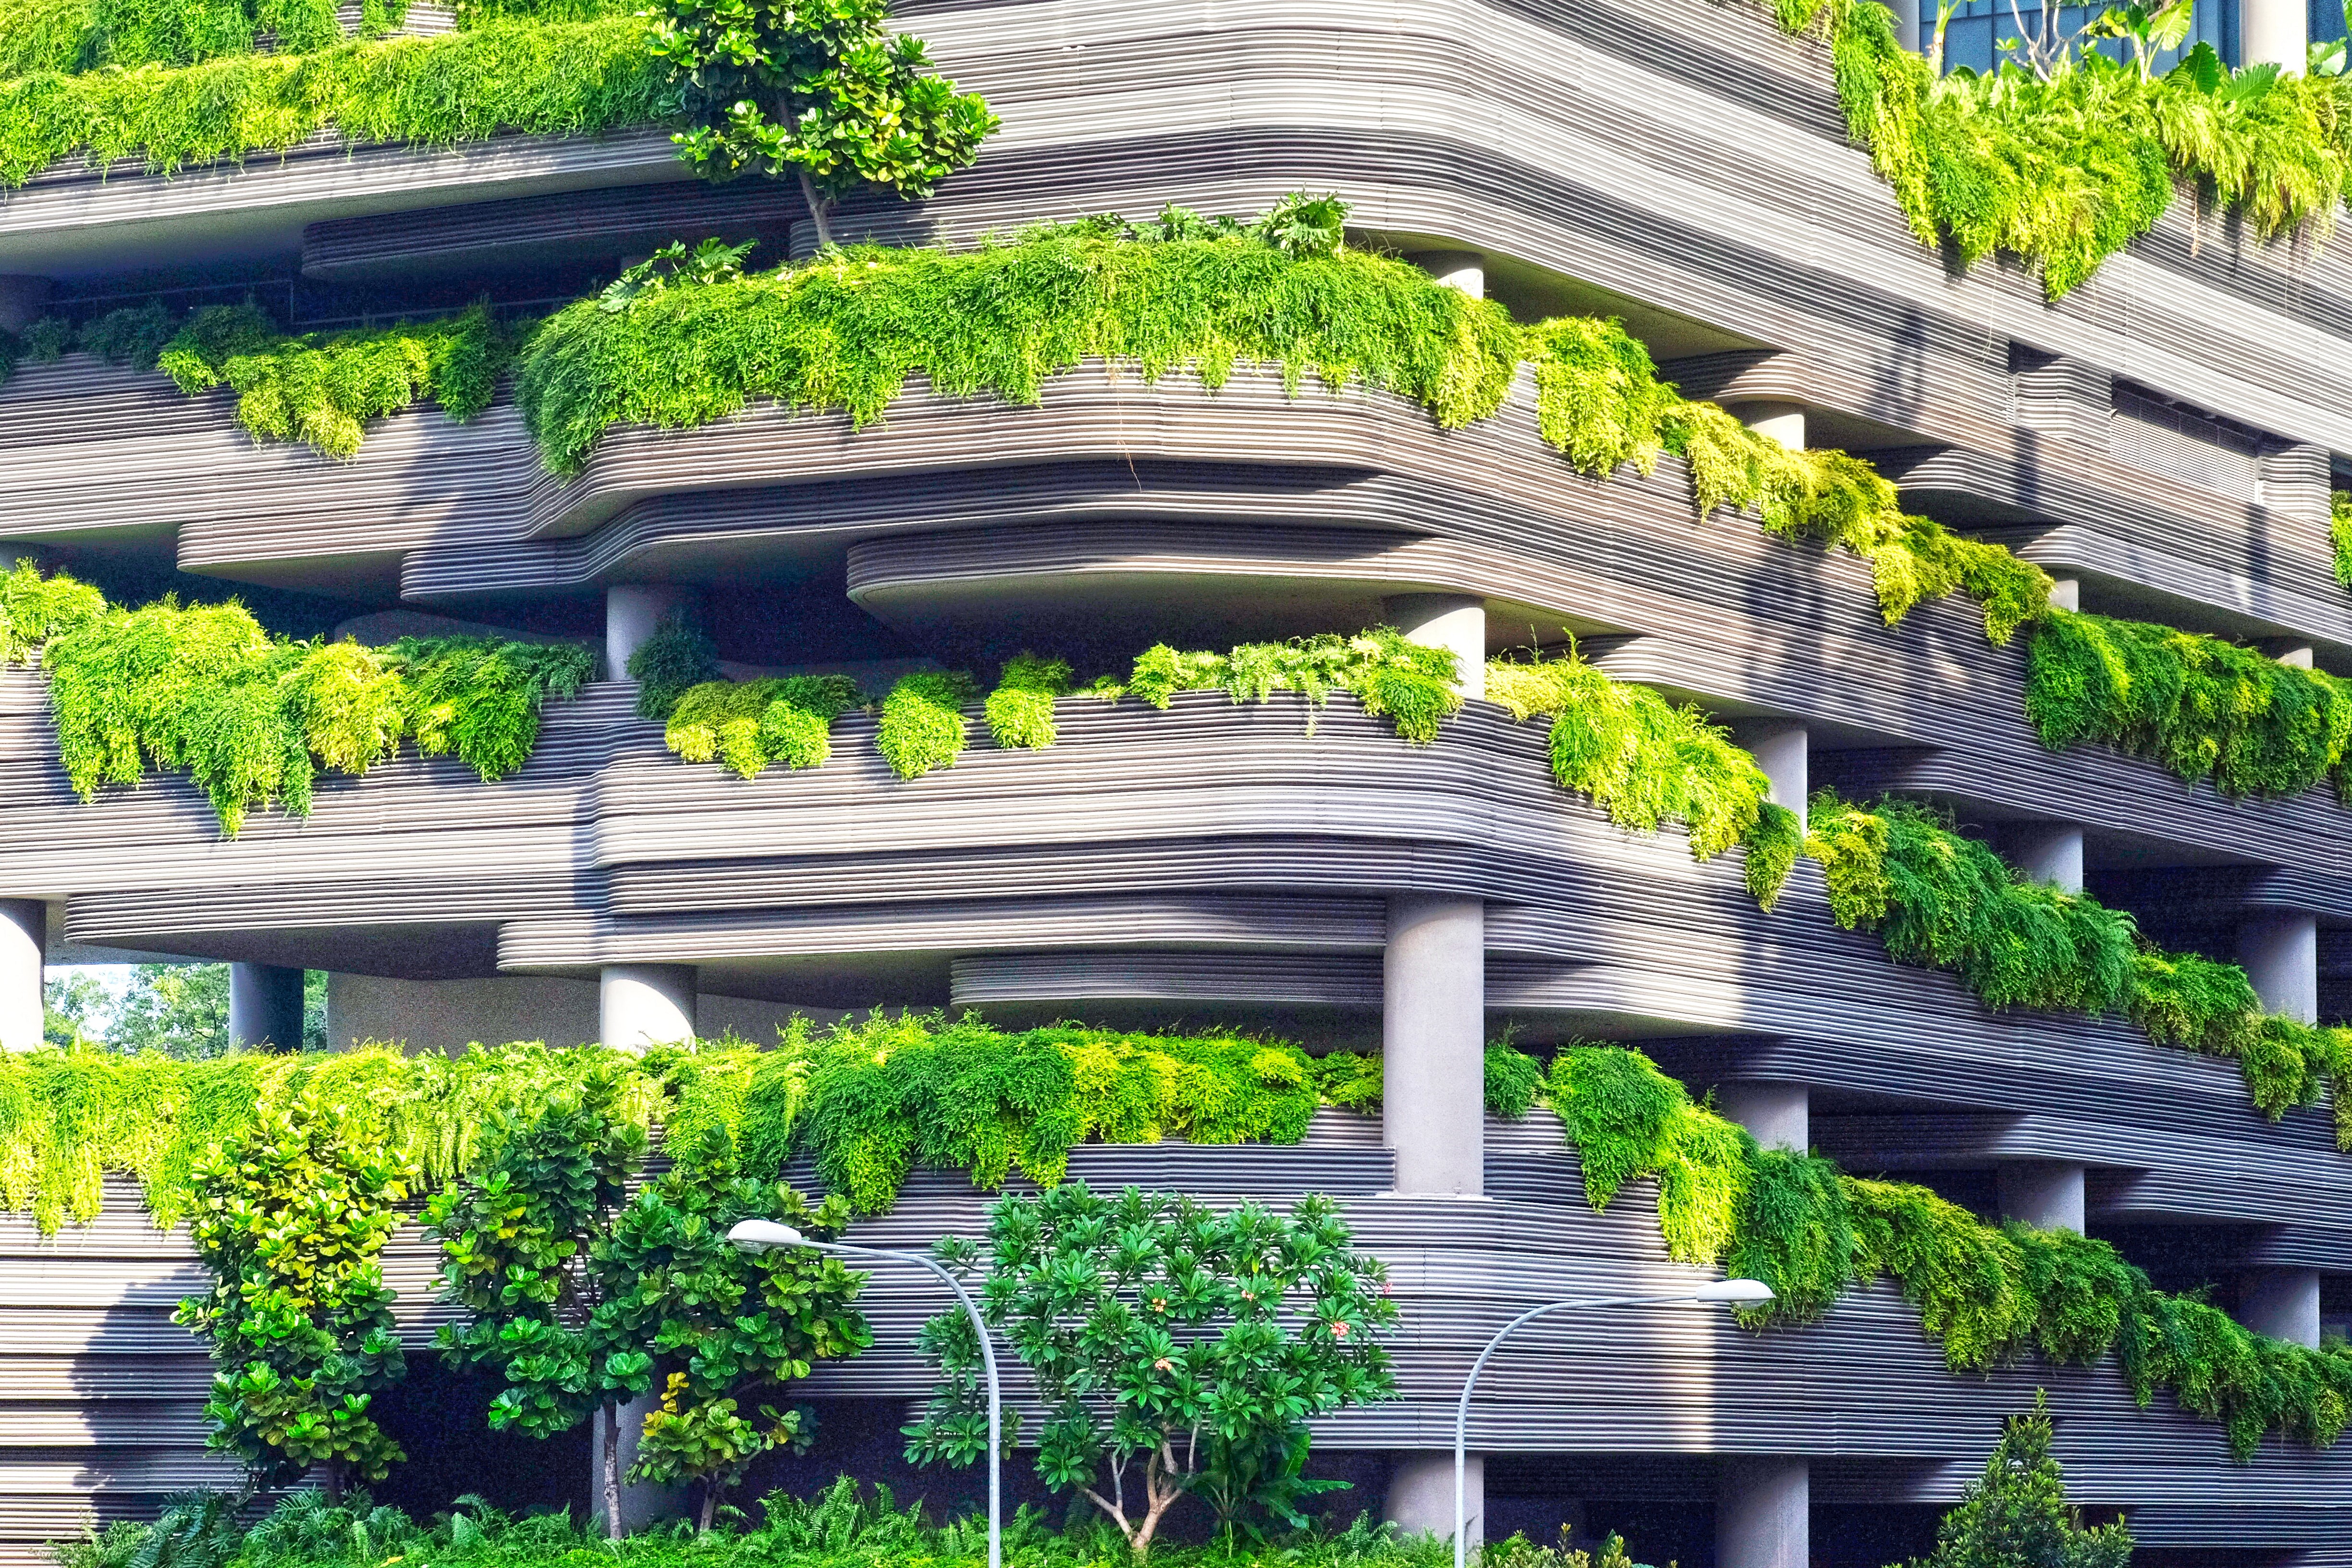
(709, 1504)
(610, 1469)
(818, 207)
(331, 1480)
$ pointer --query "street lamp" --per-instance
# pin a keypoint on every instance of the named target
(766, 1236)
(1730, 1292)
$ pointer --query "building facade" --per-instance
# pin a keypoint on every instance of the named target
(2163, 442)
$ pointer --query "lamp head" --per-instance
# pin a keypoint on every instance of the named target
(1734, 1292)
(763, 1236)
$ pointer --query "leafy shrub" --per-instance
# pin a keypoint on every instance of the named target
(1186, 1347)
(671, 661)
(290, 1225)
(2204, 708)
(923, 726)
(2017, 1510)
(1411, 684)
(748, 724)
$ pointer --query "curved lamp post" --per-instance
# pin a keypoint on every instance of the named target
(766, 1235)
(1729, 1292)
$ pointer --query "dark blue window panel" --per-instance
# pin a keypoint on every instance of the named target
(1977, 28)
(2326, 20)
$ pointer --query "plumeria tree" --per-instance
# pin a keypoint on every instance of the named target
(1178, 1349)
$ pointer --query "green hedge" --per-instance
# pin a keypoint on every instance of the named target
(202, 689)
(545, 78)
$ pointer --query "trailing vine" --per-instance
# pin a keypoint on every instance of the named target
(250, 717)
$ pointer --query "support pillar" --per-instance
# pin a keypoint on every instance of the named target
(2047, 1196)
(2274, 32)
(1784, 422)
(1776, 1115)
(2283, 1303)
(1421, 1497)
(631, 611)
(23, 944)
(1434, 1119)
(641, 1005)
(1456, 622)
(1783, 749)
(1908, 24)
(1465, 270)
(24, 300)
(1763, 1513)
(2281, 955)
(265, 1007)
(2066, 593)
(642, 1502)
(2053, 854)
(2293, 652)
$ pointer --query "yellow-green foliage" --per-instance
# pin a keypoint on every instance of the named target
(2339, 534)
(922, 725)
(1646, 762)
(202, 689)
(549, 80)
(1020, 712)
(748, 724)
(2064, 173)
(1409, 683)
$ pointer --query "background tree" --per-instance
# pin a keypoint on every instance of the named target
(2016, 1514)
(817, 88)
(722, 1327)
(74, 1008)
(291, 1224)
(514, 1243)
(1176, 1348)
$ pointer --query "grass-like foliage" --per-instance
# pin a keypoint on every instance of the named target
(746, 725)
(846, 331)
(1991, 1295)
(2339, 534)
(202, 689)
(2205, 709)
(671, 661)
(922, 725)
(2063, 172)
(58, 36)
(1647, 763)
(1943, 901)
(545, 78)
(1600, 403)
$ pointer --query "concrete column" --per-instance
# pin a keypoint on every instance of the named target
(1907, 31)
(1453, 621)
(2293, 652)
(2048, 1198)
(1784, 751)
(2281, 954)
(641, 1005)
(1784, 422)
(631, 611)
(2283, 1303)
(1776, 1115)
(2066, 593)
(642, 1502)
(1463, 269)
(1420, 1496)
(1434, 1043)
(24, 300)
(1763, 1513)
(2051, 854)
(23, 944)
(2274, 32)
(265, 1007)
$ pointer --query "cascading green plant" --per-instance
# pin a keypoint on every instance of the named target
(1020, 712)
(1647, 763)
(748, 724)
(1410, 684)
(922, 725)
(251, 717)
